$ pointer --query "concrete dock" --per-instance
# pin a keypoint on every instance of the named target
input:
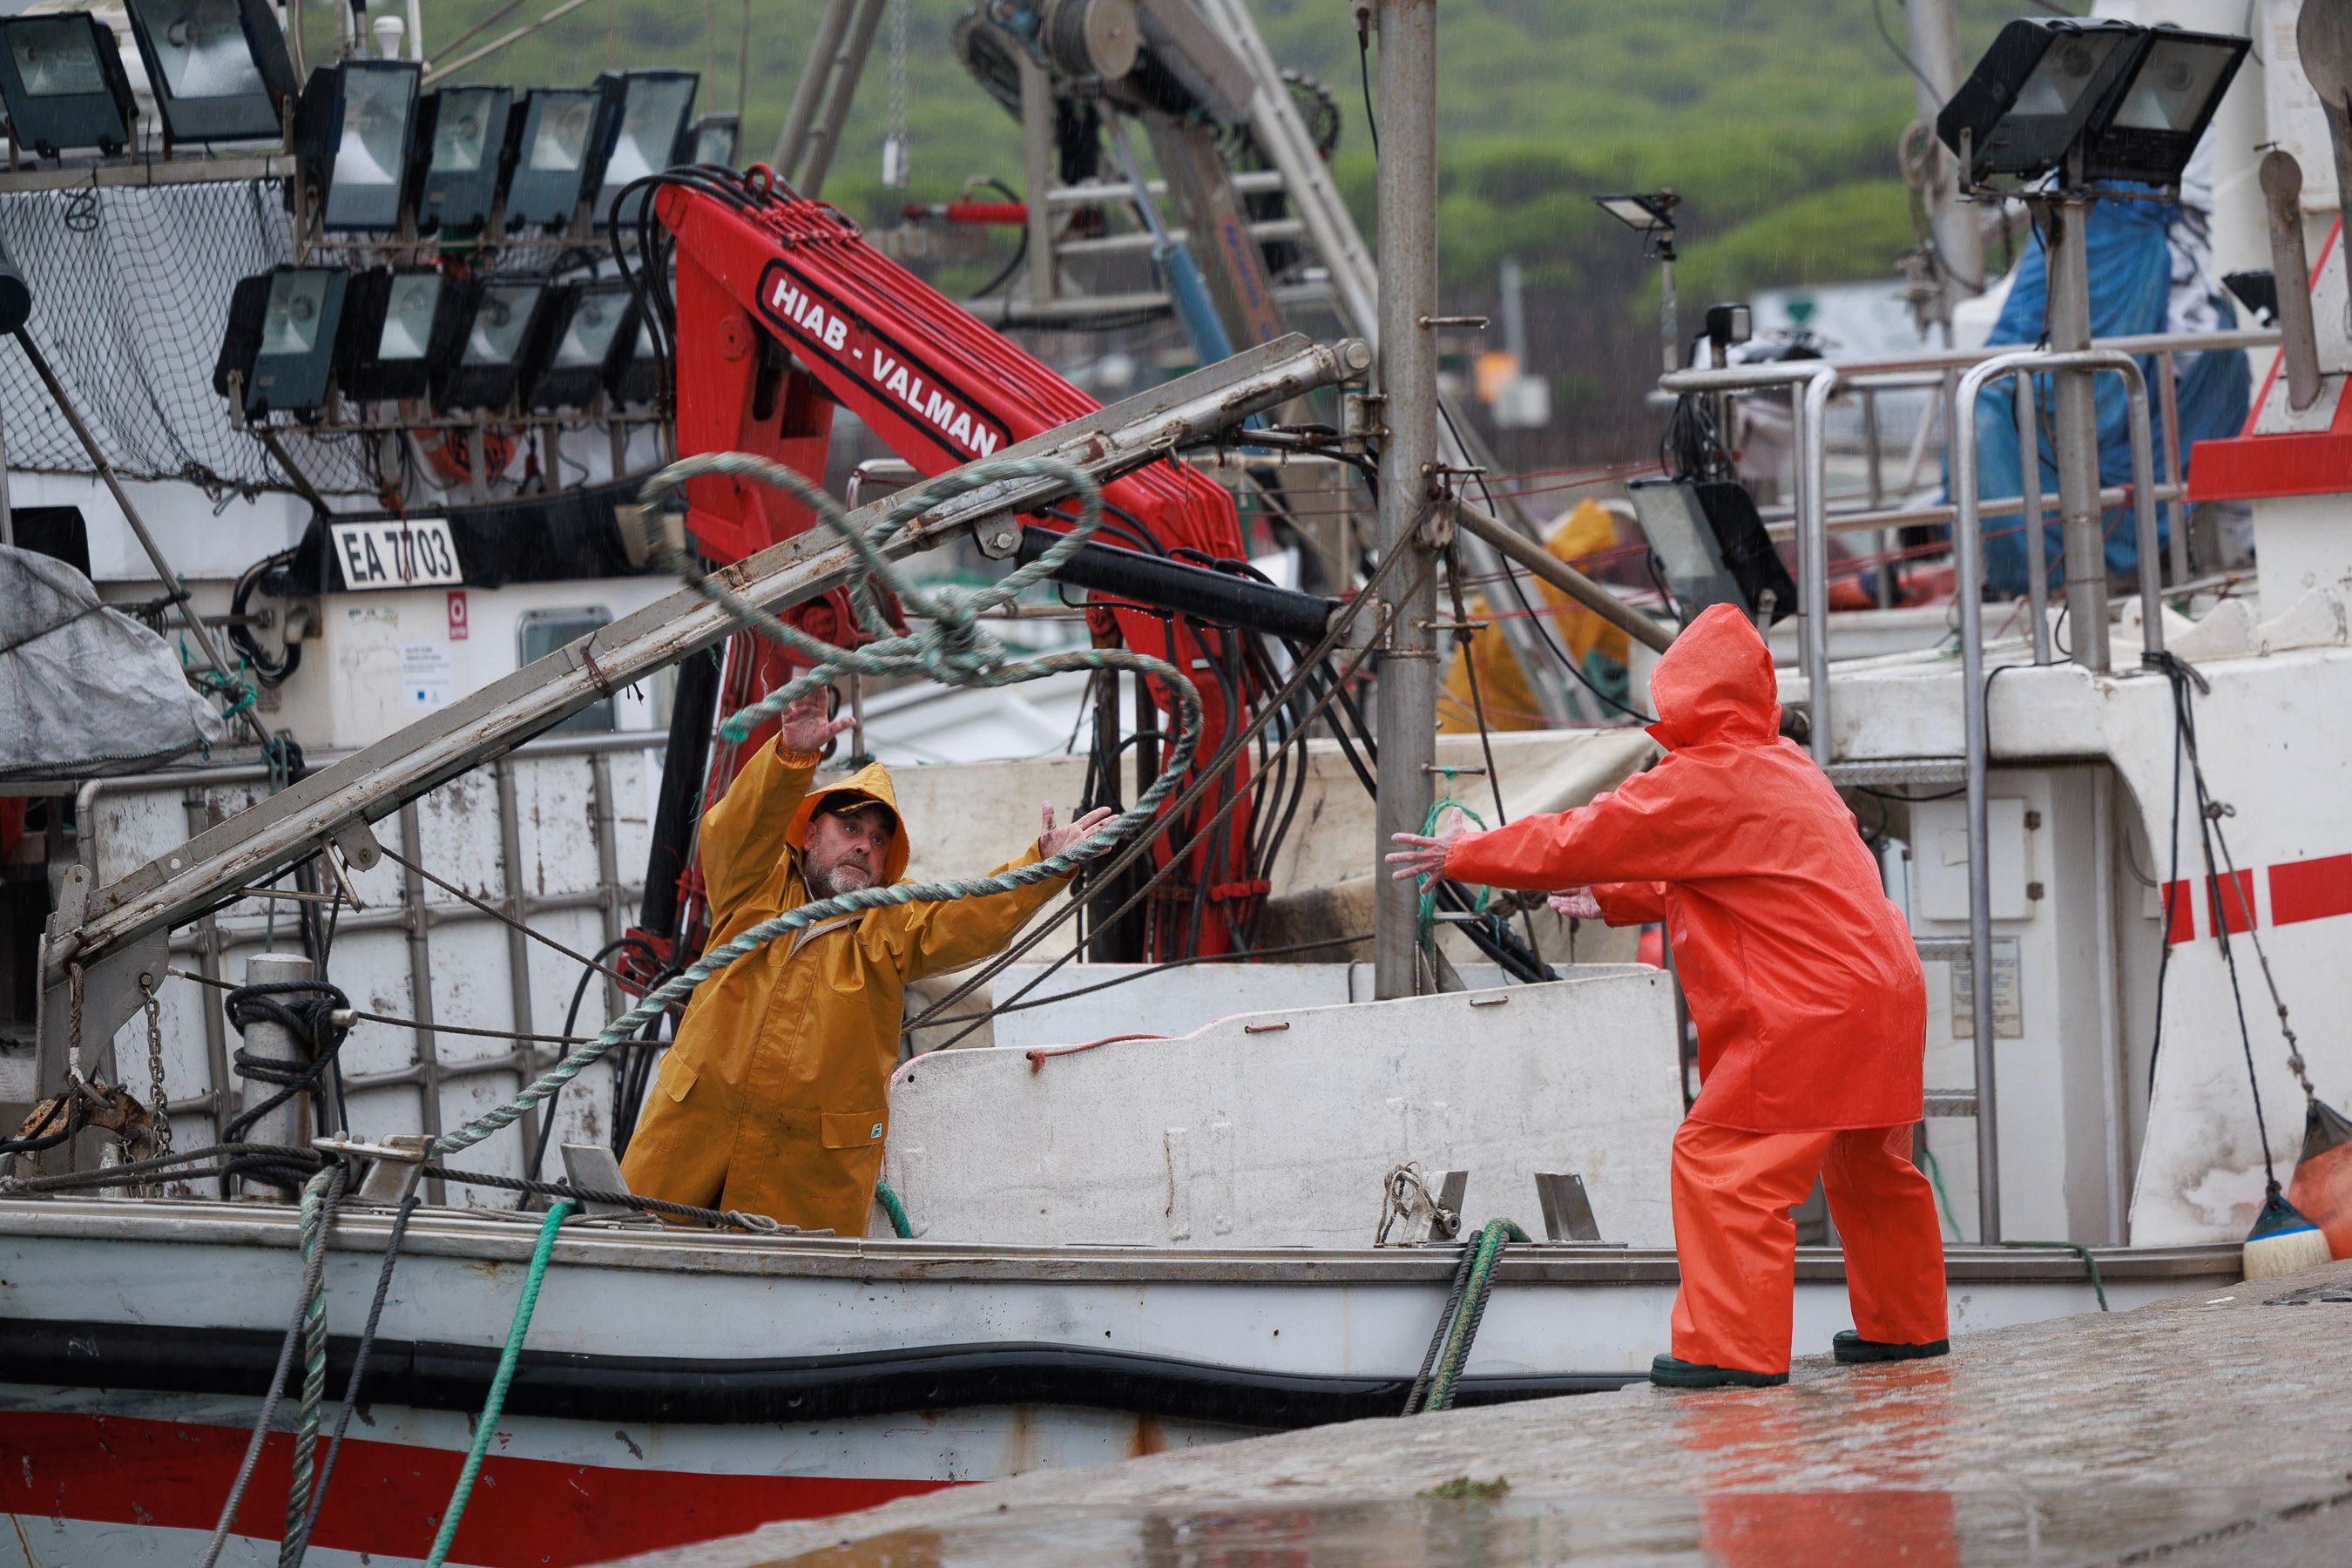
(2213, 1429)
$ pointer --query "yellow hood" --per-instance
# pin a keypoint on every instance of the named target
(871, 782)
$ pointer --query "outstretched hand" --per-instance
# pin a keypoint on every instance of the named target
(1575, 904)
(1054, 840)
(1420, 858)
(804, 727)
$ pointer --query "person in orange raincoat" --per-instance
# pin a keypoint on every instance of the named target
(774, 1099)
(1804, 983)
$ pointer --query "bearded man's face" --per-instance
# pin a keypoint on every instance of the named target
(847, 851)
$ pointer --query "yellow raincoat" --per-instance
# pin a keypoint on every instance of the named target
(774, 1099)
(1597, 647)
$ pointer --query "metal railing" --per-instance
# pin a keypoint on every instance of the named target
(208, 940)
(1968, 563)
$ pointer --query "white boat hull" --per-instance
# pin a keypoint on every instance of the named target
(678, 1387)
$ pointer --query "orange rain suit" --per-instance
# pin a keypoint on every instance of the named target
(774, 1099)
(1804, 983)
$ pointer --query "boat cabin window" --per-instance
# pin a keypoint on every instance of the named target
(540, 632)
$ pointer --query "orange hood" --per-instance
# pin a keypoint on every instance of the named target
(871, 782)
(1716, 685)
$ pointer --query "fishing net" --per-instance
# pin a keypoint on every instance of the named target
(131, 294)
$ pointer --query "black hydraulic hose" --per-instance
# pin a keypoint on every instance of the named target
(1187, 590)
(571, 1017)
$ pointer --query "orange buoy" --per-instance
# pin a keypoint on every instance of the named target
(2322, 1187)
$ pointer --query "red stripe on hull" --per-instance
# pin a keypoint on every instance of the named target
(387, 1497)
(2311, 889)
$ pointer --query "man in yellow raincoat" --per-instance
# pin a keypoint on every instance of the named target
(774, 1099)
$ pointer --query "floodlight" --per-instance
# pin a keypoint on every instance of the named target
(2165, 104)
(63, 80)
(1728, 325)
(716, 138)
(553, 147)
(1713, 545)
(2034, 92)
(218, 67)
(462, 131)
(590, 326)
(395, 325)
(649, 133)
(636, 378)
(499, 321)
(1641, 214)
(352, 131)
(282, 326)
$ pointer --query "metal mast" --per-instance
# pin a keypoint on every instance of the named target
(1935, 39)
(1407, 709)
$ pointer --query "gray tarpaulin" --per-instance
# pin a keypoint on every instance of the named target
(84, 689)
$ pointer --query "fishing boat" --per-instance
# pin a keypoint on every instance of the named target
(1212, 1164)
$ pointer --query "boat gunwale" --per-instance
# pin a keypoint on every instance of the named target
(499, 1235)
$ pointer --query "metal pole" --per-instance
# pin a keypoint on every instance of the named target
(1811, 409)
(2075, 424)
(171, 581)
(1407, 244)
(793, 140)
(2167, 396)
(1038, 164)
(7, 512)
(1935, 38)
(1967, 562)
(848, 66)
(289, 1125)
(2029, 495)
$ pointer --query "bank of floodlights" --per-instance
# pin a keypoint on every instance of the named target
(61, 77)
(282, 330)
(218, 69)
(648, 111)
(2131, 100)
(498, 325)
(352, 128)
(396, 320)
(462, 132)
(591, 328)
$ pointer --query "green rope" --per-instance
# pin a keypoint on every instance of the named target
(955, 649)
(1936, 1179)
(557, 1213)
(1425, 920)
(1461, 1330)
(2089, 1263)
(900, 1225)
(314, 1363)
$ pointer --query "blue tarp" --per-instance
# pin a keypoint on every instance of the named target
(2131, 271)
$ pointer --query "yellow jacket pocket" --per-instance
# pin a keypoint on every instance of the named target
(853, 1128)
(675, 1079)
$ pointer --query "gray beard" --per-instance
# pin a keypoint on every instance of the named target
(831, 884)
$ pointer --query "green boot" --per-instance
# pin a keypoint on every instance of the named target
(1850, 1346)
(1669, 1373)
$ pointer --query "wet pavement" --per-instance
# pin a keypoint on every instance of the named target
(2212, 1430)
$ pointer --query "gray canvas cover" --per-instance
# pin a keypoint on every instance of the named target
(84, 689)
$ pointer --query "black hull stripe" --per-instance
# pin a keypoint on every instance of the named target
(723, 1392)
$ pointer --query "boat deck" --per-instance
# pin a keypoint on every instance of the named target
(2209, 1429)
